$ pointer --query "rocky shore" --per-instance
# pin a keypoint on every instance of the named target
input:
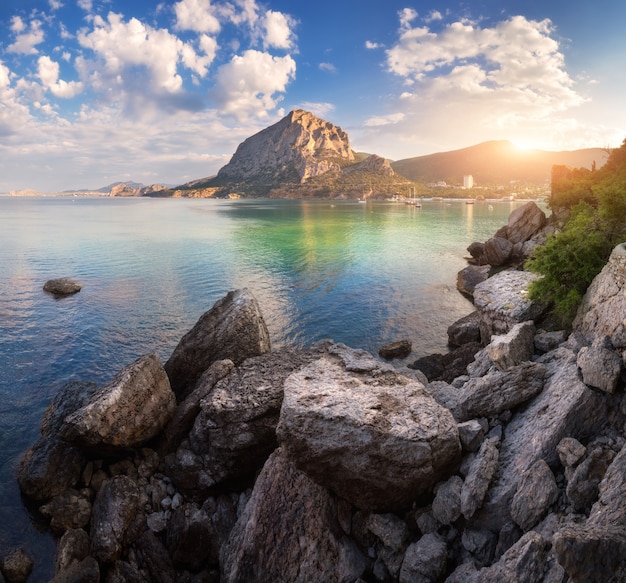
(503, 461)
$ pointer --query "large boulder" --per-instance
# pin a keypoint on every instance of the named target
(502, 301)
(465, 330)
(469, 277)
(128, 411)
(62, 286)
(232, 329)
(235, 430)
(524, 222)
(603, 309)
(372, 436)
(289, 531)
(513, 348)
(497, 251)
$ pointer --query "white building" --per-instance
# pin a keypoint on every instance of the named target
(468, 181)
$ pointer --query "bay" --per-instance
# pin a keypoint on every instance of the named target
(361, 274)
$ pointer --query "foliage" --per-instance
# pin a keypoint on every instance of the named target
(570, 259)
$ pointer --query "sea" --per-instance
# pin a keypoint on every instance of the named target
(365, 274)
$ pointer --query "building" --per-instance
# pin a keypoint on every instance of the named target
(468, 181)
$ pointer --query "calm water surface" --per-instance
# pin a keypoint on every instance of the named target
(362, 274)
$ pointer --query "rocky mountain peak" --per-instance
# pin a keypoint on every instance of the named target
(300, 145)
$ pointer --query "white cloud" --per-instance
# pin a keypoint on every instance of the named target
(278, 30)
(434, 15)
(328, 67)
(246, 86)
(86, 5)
(48, 71)
(384, 120)
(321, 109)
(55, 4)
(26, 38)
(372, 45)
(406, 16)
(196, 15)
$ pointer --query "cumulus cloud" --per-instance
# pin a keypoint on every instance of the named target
(196, 15)
(278, 30)
(406, 16)
(26, 37)
(48, 71)
(247, 85)
(372, 45)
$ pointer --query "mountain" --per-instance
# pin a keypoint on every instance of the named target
(494, 163)
(300, 156)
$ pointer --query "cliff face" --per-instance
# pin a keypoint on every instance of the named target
(301, 144)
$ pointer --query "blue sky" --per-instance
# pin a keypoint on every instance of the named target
(96, 91)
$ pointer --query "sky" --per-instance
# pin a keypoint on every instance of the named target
(98, 91)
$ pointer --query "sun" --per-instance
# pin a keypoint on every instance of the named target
(524, 145)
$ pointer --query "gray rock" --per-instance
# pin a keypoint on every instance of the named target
(85, 571)
(235, 431)
(600, 367)
(62, 286)
(502, 301)
(582, 487)
(604, 299)
(114, 510)
(479, 477)
(610, 509)
(514, 347)
(537, 491)
(470, 276)
(499, 391)
(465, 330)
(425, 560)
(128, 411)
(447, 502)
(376, 438)
(232, 329)
(71, 397)
(16, 565)
(69, 510)
(481, 544)
(262, 546)
(497, 251)
(49, 467)
(72, 548)
(471, 434)
(547, 341)
(565, 408)
(524, 222)
(570, 451)
(393, 534)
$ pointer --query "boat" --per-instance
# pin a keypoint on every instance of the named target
(471, 201)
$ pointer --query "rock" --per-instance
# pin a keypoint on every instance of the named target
(235, 431)
(128, 411)
(69, 510)
(592, 554)
(71, 397)
(447, 501)
(62, 287)
(499, 391)
(582, 487)
(232, 329)
(393, 534)
(513, 348)
(124, 572)
(547, 341)
(376, 438)
(570, 451)
(524, 561)
(469, 277)
(598, 313)
(524, 222)
(480, 474)
(16, 566)
(476, 250)
(565, 408)
(73, 547)
(465, 330)
(399, 349)
(447, 366)
(425, 560)
(114, 510)
(186, 413)
(535, 494)
(600, 367)
(262, 546)
(497, 251)
(156, 558)
(610, 509)
(502, 301)
(471, 434)
(49, 467)
(85, 571)
(481, 544)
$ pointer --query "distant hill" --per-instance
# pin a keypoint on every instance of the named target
(494, 163)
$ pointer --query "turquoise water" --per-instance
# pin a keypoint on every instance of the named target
(362, 274)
